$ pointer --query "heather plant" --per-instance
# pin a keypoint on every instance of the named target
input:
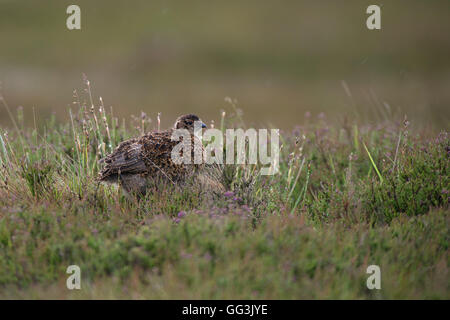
(346, 196)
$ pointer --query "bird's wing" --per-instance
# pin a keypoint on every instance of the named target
(126, 159)
(150, 154)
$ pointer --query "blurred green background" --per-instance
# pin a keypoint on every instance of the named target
(279, 59)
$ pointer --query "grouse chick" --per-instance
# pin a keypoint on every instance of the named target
(140, 164)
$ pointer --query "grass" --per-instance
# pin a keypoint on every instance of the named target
(308, 232)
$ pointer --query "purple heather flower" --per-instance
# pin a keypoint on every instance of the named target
(181, 214)
(229, 194)
(207, 256)
(185, 255)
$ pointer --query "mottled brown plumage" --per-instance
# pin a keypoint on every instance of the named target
(145, 163)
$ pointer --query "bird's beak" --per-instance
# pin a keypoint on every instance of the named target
(203, 125)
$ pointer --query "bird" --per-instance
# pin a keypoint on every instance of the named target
(143, 164)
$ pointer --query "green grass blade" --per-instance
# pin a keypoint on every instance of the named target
(373, 163)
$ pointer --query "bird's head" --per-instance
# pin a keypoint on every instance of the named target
(188, 121)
